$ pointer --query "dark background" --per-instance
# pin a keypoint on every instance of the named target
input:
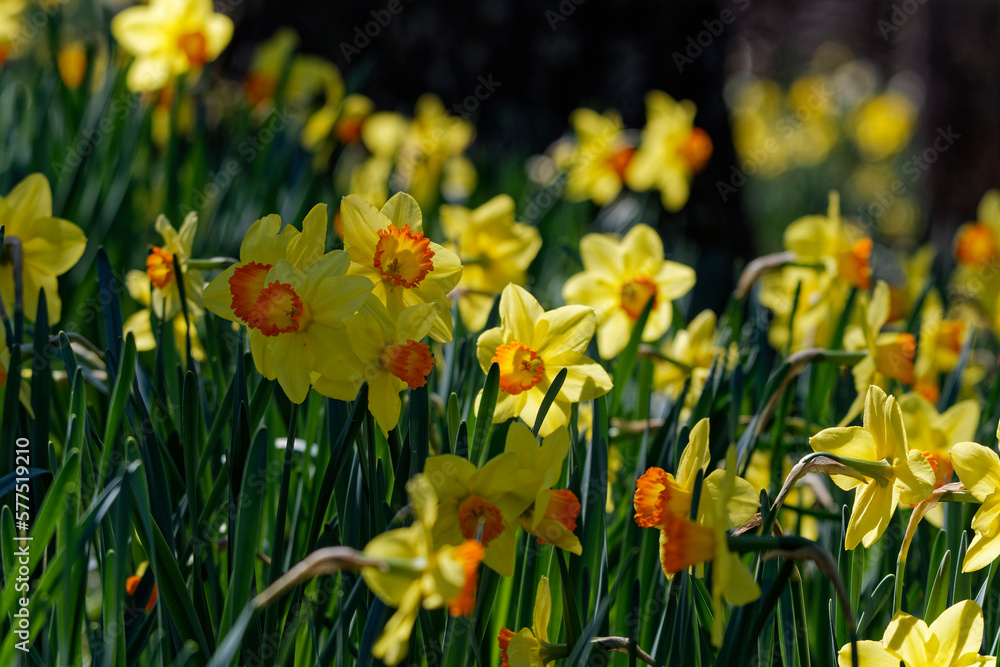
(552, 56)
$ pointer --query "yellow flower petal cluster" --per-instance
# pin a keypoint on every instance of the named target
(531, 346)
(952, 640)
(979, 469)
(495, 251)
(619, 278)
(49, 247)
(906, 476)
(169, 38)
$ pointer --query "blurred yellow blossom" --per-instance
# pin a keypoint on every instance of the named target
(883, 125)
(600, 160)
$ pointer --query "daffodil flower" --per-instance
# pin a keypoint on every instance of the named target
(598, 165)
(684, 544)
(489, 499)
(976, 246)
(845, 253)
(139, 323)
(906, 477)
(979, 469)
(672, 150)
(810, 319)
(553, 512)
(169, 38)
(883, 125)
(531, 346)
(934, 434)
(890, 355)
(495, 250)
(420, 573)
(294, 301)
(530, 647)
(388, 354)
(661, 498)
(388, 247)
(431, 151)
(689, 356)
(10, 26)
(952, 640)
(165, 297)
(49, 246)
(620, 278)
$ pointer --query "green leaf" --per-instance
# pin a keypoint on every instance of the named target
(627, 359)
(484, 416)
(550, 396)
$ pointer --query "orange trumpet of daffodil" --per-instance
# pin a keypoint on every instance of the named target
(531, 346)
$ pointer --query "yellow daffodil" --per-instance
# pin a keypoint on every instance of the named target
(72, 64)
(293, 299)
(598, 166)
(890, 355)
(620, 278)
(800, 496)
(883, 125)
(419, 574)
(952, 640)
(10, 26)
(495, 251)
(976, 277)
(388, 246)
(139, 323)
(431, 147)
(169, 38)
(941, 343)
(553, 512)
(672, 150)
(979, 469)
(661, 498)
(684, 544)
(811, 318)
(530, 647)
(166, 301)
(844, 251)
(488, 499)
(49, 246)
(907, 477)
(690, 355)
(531, 346)
(387, 354)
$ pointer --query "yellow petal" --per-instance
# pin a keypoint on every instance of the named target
(394, 642)
(914, 478)
(910, 638)
(543, 610)
(851, 441)
(401, 210)
(695, 456)
(874, 505)
(742, 503)
(564, 330)
(959, 630)
(308, 246)
(870, 654)
(978, 467)
(392, 585)
(519, 311)
(29, 200)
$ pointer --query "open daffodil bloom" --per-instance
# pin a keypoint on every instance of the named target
(906, 476)
(979, 469)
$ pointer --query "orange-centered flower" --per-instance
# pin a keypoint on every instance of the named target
(660, 498)
(520, 367)
(688, 543)
(403, 257)
(696, 150)
(470, 554)
(503, 640)
(246, 284)
(475, 510)
(854, 266)
(277, 310)
(941, 465)
(160, 267)
(195, 47)
(975, 245)
(635, 295)
(951, 334)
(620, 160)
(411, 362)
